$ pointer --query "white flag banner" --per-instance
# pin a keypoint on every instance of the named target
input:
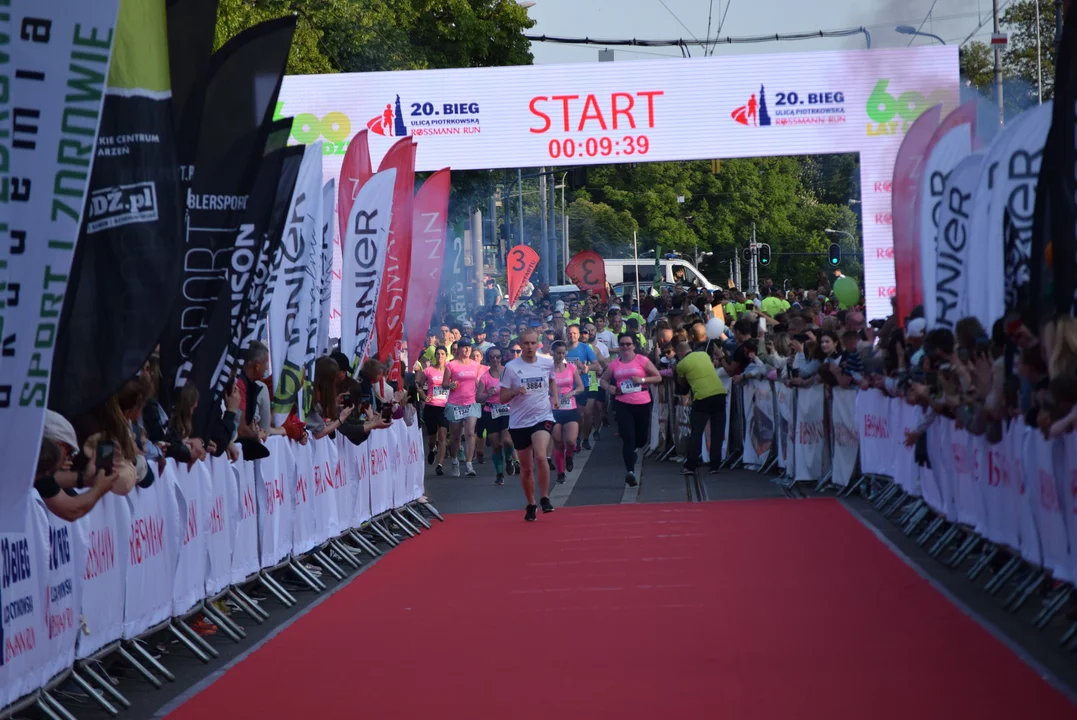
(293, 287)
(956, 245)
(273, 481)
(23, 652)
(365, 243)
(62, 600)
(810, 455)
(874, 434)
(1043, 457)
(151, 565)
(786, 399)
(329, 231)
(103, 539)
(61, 50)
(220, 518)
(192, 489)
(953, 145)
(843, 432)
(1015, 192)
(245, 557)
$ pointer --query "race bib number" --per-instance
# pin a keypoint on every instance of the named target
(534, 384)
(497, 410)
(459, 412)
(628, 387)
(565, 402)
(440, 393)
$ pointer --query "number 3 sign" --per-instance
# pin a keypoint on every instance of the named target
(587, 270)
(522, 262)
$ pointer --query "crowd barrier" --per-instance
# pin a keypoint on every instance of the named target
(136, 564)
(1014, 501)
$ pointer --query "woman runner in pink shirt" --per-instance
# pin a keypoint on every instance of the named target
(461, 376)
(495, 416)
(626, 381)
(435, 396)
(566, 415)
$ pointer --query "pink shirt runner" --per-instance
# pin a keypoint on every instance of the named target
(436, 395)
(631, 392)
(464, 375)
(492, 385)
(565, 385)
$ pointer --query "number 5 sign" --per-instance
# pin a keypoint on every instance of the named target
(587, 270)
(522, 262)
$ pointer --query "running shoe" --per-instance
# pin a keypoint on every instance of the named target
(500, 480)
(203, 627)
(455, 467)
(552, 466)
(469, 469)
(516, 466)
(430, 456)
(687, 471)
(510, 468)
(586, 444)
(547, 506)
(531, 514)
(560, 478)
(579, 445)
(568, 464)
(439, 470)
(481, 458)
(630, 480)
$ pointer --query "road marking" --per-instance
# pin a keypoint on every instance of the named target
(559, 493)
(631, 494)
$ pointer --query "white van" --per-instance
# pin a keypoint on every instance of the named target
(677, 271)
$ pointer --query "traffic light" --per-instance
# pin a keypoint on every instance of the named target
(764, 254)
(835, 254)
(716, 166)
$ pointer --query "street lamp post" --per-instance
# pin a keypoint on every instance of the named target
(910, 30)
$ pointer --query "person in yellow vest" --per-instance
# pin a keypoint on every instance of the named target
(771, 303)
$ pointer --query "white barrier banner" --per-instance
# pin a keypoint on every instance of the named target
(276, 507)
(1000, 496)
(304, 523)
(102, 540)
(787, 403)
(843, 431)
(938, 483)
(961, 460)
(758, 422)
(413, 464)
(380, 471)
(23, 589)
(1027, 491)
(1069, 496)
(358, 457)
(978, 454)
(810, 455)
(346, 477)
(221, 524)
(192, 489)
(1045, 486)
(62, 597)
(877, 447)
(327, 499)
(151, 566)
(245, 557)
(905, 418)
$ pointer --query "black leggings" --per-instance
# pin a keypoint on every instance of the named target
(633, 422)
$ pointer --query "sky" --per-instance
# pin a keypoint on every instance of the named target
(952, 20)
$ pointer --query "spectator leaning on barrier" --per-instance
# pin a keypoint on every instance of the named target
(695, 369)
(62, 469)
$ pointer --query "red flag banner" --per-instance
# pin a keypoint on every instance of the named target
(354, 172)
(389, 322)
(429, 224)
(587, 270)
(905, 198)
(522, 262)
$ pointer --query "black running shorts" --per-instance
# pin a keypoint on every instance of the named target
(521, 437)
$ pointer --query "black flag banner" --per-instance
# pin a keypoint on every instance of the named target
(1052, 260)
(191, 28)
(126, 269)
(256, 327)
(226, 146)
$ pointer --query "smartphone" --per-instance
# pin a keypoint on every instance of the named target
(931, 379)
(104, 456)
(231, 381)
(387, 412)
(794, 372)
(346, 400)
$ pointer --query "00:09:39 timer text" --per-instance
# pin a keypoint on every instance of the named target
(599, 147)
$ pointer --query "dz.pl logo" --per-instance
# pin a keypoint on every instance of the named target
(754, 112)
(390, 122)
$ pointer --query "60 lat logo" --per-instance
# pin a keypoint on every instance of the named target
(335, 128)
(889, 115)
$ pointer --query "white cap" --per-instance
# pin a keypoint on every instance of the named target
(559, 306)
(917, 328)
(58, 429)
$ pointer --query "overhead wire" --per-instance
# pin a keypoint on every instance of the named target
(922, 22)
(687, 29)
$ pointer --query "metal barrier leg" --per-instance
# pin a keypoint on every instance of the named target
(701, 489)
(225, 623)
(1053, 606)
(915, 520)
(139, 668)
(328, 565)
(137, 647)
(183, 638)
(1068, 637)
(46, 708)
(387, 537)
(432, 510)
(970, 544)
(403, 524)
(995, 584)
(930, 530)
(247, 605)
(944, 542)
(364, 544)
(309, 580)
(1024, 591)
(105, 685)
(96, 695)
(884, 497)
(417, 516)
(59, 709)
(984, 560)
(901, 500)
(283, 596)
(344, 553)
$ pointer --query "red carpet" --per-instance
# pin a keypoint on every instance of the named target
(766, 609)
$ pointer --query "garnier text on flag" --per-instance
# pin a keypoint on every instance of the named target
(363, 248)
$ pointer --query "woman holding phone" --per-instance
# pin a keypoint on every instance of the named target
(625, 379)
(461, 377)
(435, 396)
(566, 415)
